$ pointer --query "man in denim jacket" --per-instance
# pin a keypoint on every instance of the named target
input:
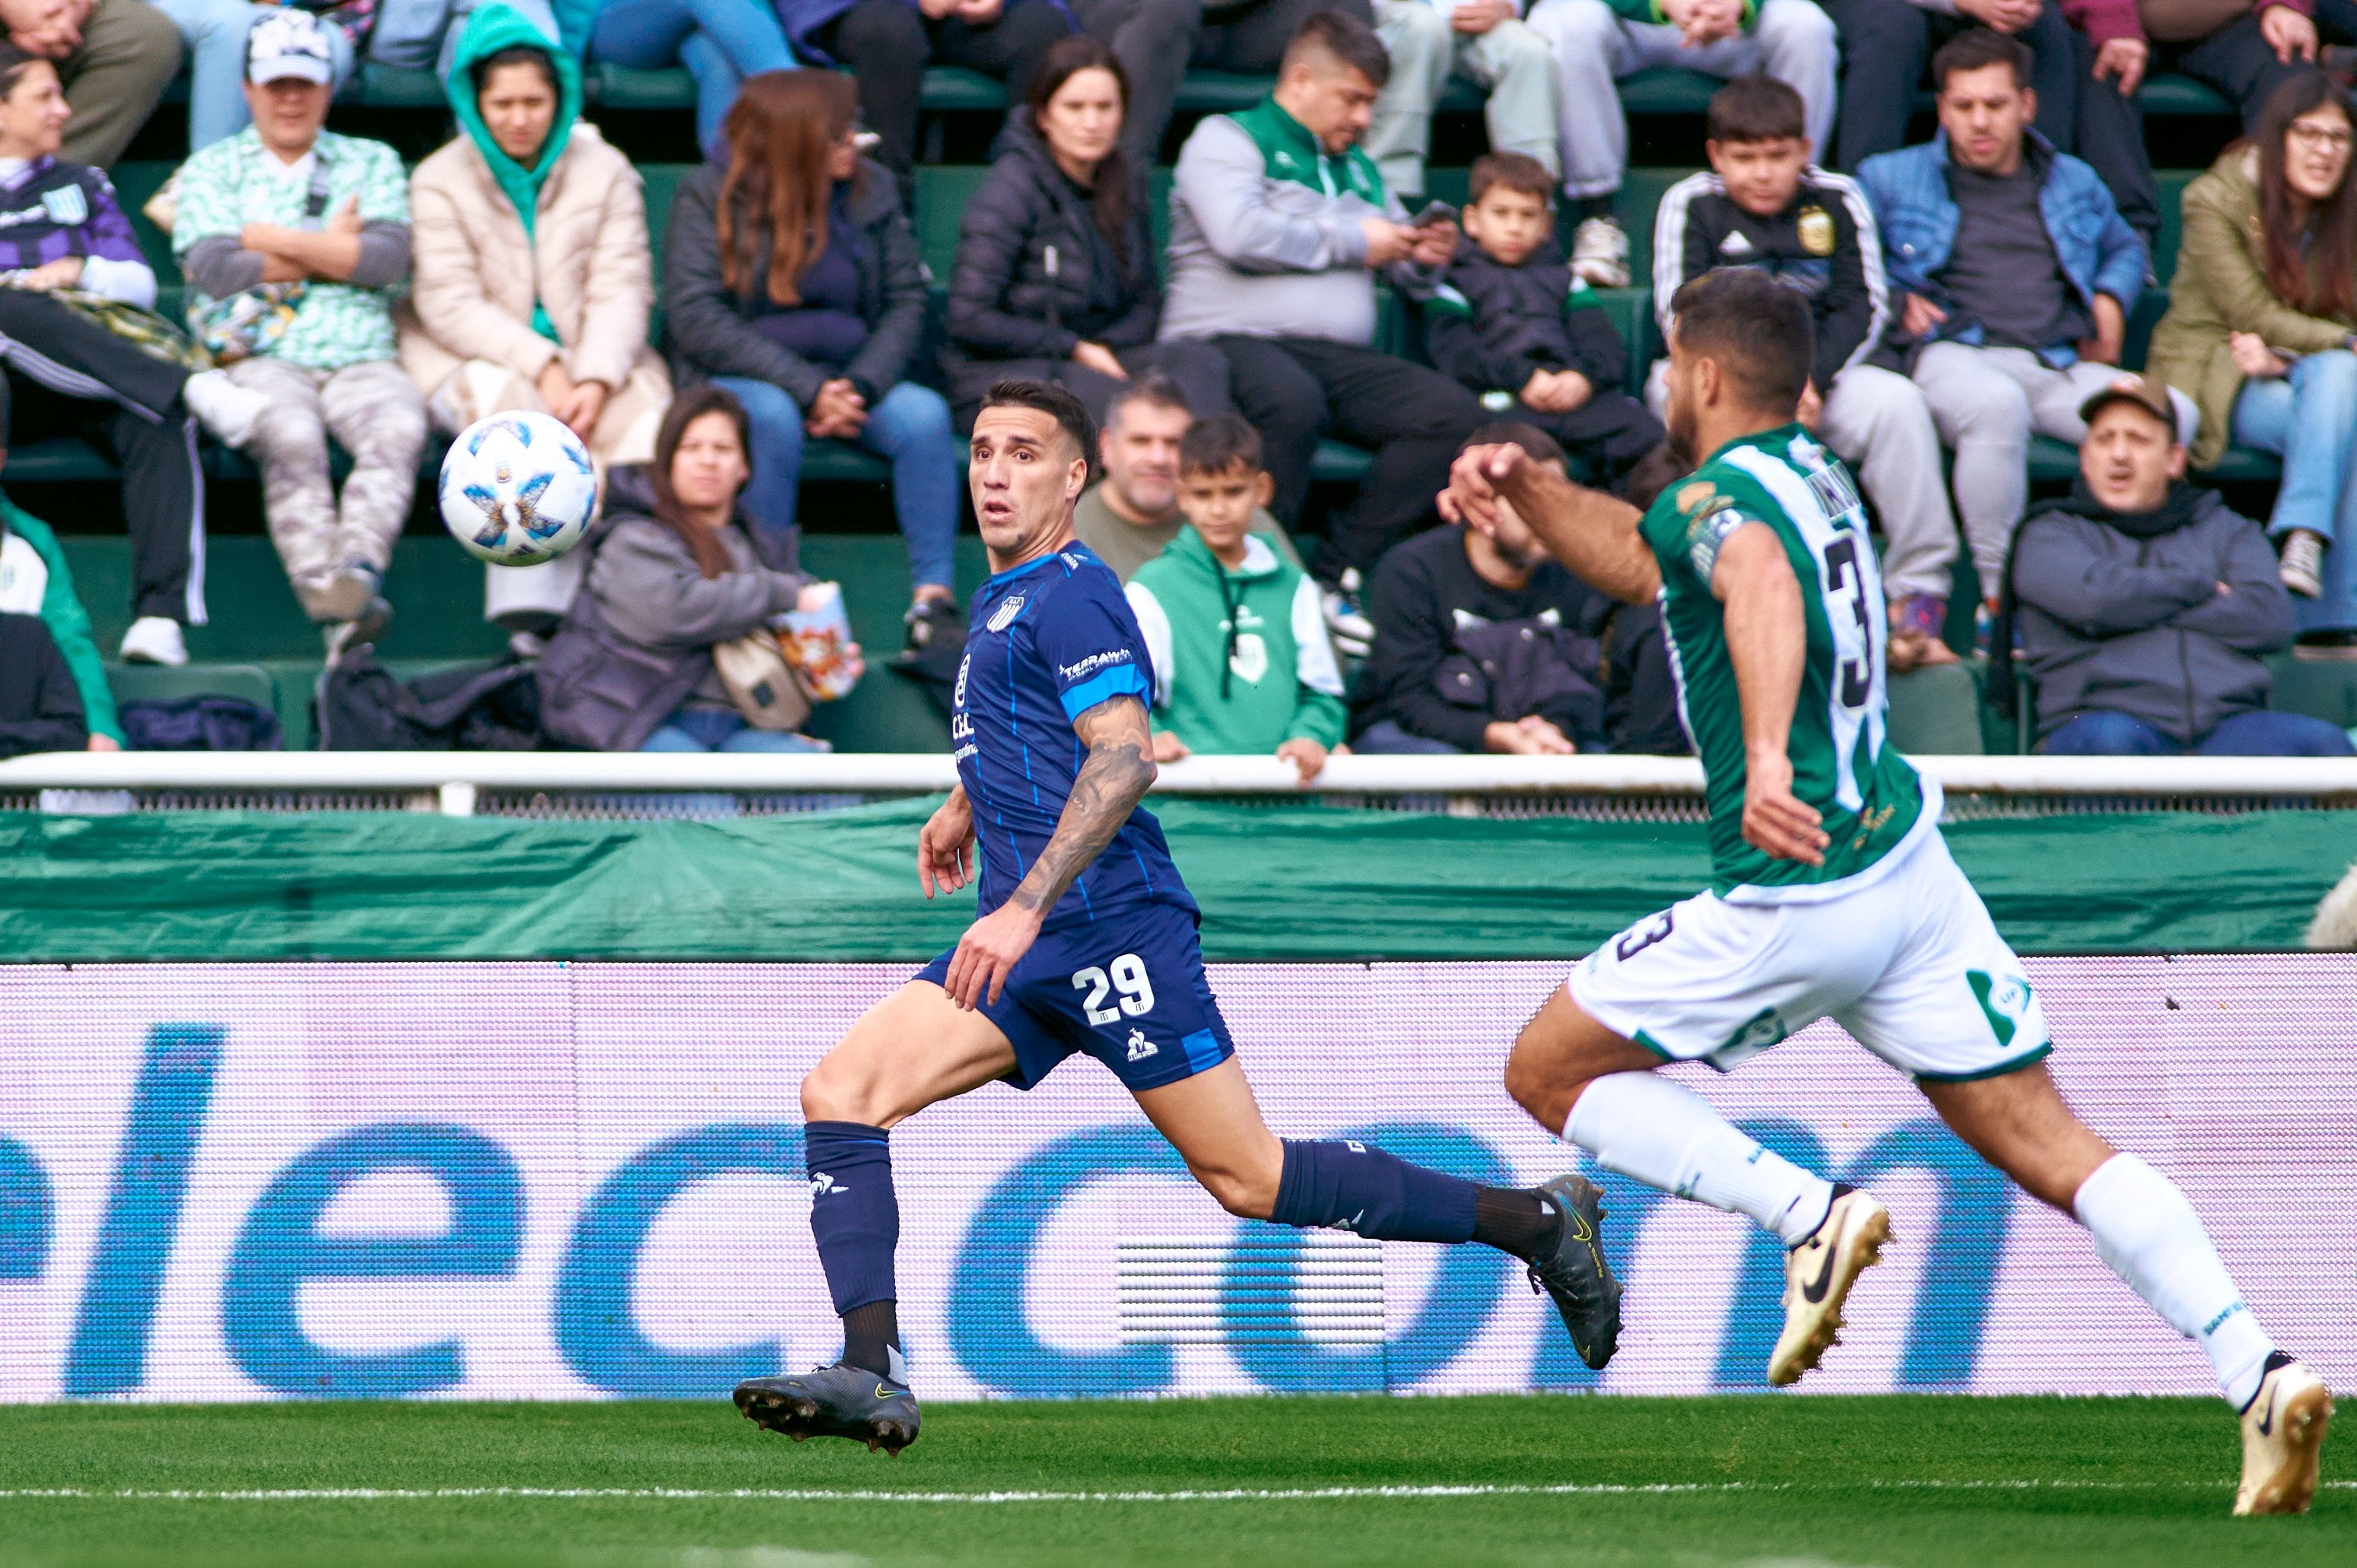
(2013, 275)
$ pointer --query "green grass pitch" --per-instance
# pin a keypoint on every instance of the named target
(1788, 1482)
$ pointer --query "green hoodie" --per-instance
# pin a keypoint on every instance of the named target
(1290, 153)
(489, 30)
(42, 584)
(1280, 680)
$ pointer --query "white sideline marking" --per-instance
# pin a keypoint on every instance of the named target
(1239, 1494)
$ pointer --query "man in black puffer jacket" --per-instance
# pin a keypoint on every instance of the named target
(1055, 280)
(1512, 324)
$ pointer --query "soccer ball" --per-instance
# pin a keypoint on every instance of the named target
(517, 490)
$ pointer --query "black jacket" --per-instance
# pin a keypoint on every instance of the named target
(1824, 244)
(41, 710)
(1008, 302)
(708, 328)
(1488, 325)
(1450, 656)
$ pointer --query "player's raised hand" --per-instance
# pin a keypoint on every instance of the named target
(945, 846)
(1474, 480)
(989, 954)
(1776, 821)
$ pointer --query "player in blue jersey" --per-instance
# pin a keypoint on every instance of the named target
(1085, 944)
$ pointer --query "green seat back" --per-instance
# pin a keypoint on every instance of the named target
(165, 684)
(2325, 688)
(1935, 712)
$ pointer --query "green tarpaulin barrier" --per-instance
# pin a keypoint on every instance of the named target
(1275, 882)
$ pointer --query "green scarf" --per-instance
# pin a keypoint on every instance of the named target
(490, 29)
(1288, 152)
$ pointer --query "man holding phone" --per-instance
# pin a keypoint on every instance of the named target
(1279, 224)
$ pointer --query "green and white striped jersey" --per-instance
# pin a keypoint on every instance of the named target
(1868, 794)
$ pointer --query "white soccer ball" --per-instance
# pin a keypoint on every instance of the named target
(517, 490)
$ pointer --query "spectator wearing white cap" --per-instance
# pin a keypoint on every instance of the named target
(294, 240)
(215, 32)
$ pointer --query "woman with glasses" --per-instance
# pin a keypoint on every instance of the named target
(2259, 334)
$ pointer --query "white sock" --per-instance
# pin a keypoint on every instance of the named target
(2150, 1235)
(1666, 1136)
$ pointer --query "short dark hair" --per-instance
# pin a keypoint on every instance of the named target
(1542, 447)
(14, 63)
(1518, 172)
(1344, 37)
(1757, 329)
(514, 54)
(1069, 412)
(1756, 108)
(1155, 387)
(1214, 445)
(1977, 48)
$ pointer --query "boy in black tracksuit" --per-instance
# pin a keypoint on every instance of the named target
(1764, 206)
(1510, 322)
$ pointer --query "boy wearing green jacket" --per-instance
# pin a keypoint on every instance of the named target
(1236, 633)
(35, 581)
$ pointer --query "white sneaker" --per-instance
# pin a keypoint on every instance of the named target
(2283, 1428)
(154, 640)
(1599, 252)
(2302, 566)
(1818, 1277)
(222, 406)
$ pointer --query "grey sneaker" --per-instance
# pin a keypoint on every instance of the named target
(1599, 252)
(2302, 566)
(832, 1402)
(1575, 1276)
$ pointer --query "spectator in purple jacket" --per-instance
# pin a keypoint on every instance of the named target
(100, 364)
(888, 43)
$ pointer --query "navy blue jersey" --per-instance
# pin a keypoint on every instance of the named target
(1050, 640)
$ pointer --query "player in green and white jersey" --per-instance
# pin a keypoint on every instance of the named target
(1833, 892)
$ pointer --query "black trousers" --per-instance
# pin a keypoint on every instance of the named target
(68, 376)
(1606, 436)
(1886, 44)
(2236, 60)
(1157, 40)
(1413, 418)
(888, 43)
(1641, 694)
(1200, 370)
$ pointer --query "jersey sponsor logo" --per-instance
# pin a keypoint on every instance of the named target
(1083, 669)
(1140, 1048)
(1702, 496)
(1003, 616)
(957, 698)
(2004, 999)
(1816, 226)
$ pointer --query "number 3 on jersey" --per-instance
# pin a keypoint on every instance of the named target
(1129, 978)
(1845, 580)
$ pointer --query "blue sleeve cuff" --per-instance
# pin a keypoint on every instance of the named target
(1121, 681)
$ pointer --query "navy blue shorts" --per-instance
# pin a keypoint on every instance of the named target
(1128, 989)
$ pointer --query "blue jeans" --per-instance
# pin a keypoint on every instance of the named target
(910, 426)
(215, 32)
(2310, 420)
(720, 42)
(717, 729)
(1386, 738)
(2261, 732)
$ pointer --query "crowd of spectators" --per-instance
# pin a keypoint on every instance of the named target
(1968, 293)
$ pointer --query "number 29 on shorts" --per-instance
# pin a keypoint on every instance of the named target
(1129, 978)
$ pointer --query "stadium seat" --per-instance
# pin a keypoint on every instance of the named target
(161, 684)
(1936, 711)
(2325, 688)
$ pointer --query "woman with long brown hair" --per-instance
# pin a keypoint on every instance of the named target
(791, 277)
(673, 570)
(1055, 278)
(2259, 334)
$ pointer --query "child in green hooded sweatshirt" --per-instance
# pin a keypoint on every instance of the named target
(1238, 640)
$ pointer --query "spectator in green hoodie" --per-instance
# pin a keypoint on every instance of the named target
(1236, 634)
(35, 580)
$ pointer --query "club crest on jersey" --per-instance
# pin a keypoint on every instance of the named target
(1816, 226)
(67, 207)
(1249, 658)
(2004, 999)
(1700, 497)
(1003, 616)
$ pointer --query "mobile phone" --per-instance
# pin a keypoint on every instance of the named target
(1432, 212)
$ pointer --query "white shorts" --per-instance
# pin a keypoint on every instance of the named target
(1905, 957)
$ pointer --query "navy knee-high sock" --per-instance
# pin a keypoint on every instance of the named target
(1354, 1187)
(855, 1220)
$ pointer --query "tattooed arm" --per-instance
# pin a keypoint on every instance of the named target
(1112, 782)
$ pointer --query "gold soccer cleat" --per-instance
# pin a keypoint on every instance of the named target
(1818, 1277)
(2282, 1427)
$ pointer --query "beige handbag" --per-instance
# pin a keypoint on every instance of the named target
(754, 671)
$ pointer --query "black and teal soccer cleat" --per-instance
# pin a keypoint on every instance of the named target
(1574, 1273)
(832, 1402)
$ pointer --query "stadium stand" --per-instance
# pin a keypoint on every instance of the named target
(259, 647)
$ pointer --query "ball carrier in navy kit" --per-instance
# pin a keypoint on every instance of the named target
(1085, 944)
